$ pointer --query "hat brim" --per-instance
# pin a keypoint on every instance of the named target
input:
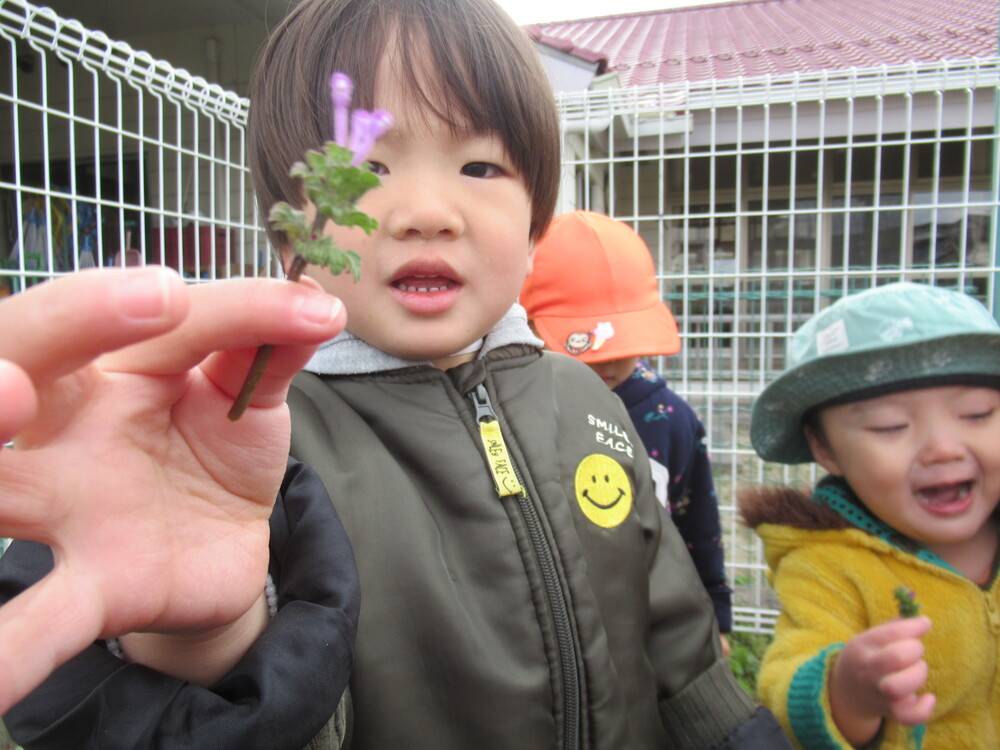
(776, 421)
(638, 333)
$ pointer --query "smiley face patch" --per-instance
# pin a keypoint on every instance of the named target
(603, 490)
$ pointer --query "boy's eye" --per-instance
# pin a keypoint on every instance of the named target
(885, 429)
(481, 169)
(979, 415)
(378, 168)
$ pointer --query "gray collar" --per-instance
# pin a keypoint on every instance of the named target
(346, 354)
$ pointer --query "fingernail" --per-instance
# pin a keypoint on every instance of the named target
(319, 308)
(144, 296)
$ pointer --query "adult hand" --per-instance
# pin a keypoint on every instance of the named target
(115, 386)
(877, 675)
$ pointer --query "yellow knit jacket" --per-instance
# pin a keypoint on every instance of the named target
(835, 580)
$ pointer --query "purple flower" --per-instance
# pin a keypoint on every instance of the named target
(361, 140)
(357, 130)
(381, 122)
(366, 128)
(341, 91)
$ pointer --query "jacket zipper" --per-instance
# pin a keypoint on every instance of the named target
(508, 483)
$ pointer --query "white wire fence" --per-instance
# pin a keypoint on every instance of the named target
(762, 200)
(109, 157)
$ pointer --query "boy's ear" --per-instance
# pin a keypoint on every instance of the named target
(531, 260)
(821, 451)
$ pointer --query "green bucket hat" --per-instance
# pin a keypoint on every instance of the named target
(891, 338)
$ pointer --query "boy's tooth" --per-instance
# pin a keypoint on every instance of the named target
(945, 495)
(422, 288)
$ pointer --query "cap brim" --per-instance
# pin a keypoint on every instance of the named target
(637, 333)
(776, 429)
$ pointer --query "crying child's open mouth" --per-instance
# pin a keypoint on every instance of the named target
(946, 498)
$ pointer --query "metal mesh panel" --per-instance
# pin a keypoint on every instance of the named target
(762, 200)
(108, 156)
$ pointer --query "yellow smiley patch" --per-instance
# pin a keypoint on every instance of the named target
(603, 490)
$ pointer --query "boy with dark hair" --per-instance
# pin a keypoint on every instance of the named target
(520, 586)
(894, 391)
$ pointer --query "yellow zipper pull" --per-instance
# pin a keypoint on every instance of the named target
(501, 467)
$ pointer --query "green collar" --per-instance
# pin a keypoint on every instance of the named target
(837, 495)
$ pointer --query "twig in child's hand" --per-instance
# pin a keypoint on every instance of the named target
(333, 182)
(908, 606)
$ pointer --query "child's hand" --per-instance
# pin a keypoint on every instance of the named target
(877, 675)
(155, 504)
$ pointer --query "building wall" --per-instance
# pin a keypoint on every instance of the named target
(219, 54)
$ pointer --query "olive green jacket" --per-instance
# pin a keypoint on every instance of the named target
(521, 586)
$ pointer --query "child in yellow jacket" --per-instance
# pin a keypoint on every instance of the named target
(895, 392)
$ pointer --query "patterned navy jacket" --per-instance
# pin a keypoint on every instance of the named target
(675, 437)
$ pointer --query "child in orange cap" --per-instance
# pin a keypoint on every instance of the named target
(593, 295)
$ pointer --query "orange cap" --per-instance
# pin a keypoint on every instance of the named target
(593, 292)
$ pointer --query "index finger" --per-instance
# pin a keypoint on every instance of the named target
(900, 628)
(56, 327)
(237, 314)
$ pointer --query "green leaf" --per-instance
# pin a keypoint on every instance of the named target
(358, 219)
(906, 599)
(334, 187)
(322, 250)
(290, 220)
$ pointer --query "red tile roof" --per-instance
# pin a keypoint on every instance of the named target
(757, 37)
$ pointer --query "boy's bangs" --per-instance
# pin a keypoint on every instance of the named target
(440, 89)
(449, 59)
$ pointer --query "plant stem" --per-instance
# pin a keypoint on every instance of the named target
(259, 364)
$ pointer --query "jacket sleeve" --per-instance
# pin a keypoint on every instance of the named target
(701, 704)
(694, 506)
(280, 695)
(674, 436)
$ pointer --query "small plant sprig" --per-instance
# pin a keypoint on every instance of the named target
(333, 180)
(908, 607)
(907, 598)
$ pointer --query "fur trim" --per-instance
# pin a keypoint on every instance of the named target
(778, 504)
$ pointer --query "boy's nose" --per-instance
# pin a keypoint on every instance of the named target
(424, 211)
(941, 446)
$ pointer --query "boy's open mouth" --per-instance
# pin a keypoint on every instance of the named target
(420, 283)
(946, 498)
(426, 291)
